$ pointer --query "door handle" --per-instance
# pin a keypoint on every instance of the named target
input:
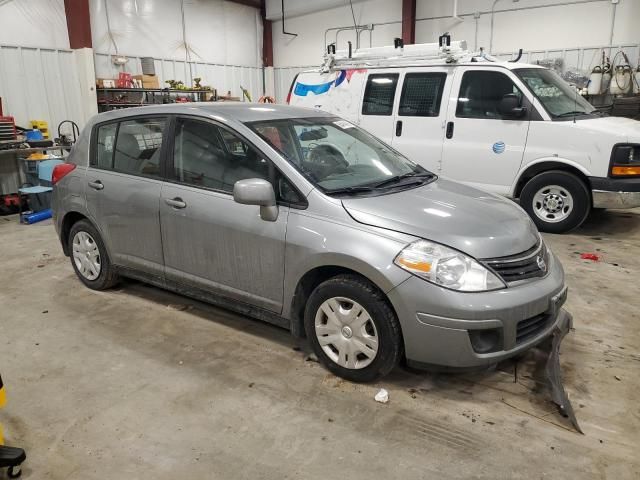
(176, 202)
(398, 128)
(449, 129)
(96, 185)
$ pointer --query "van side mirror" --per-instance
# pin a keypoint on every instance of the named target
(256, 191)
(509, 106)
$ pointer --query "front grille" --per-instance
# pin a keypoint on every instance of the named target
(530, 327)
(529, 264)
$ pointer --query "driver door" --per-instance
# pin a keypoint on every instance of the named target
(482, 147)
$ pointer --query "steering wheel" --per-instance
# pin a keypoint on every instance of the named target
(328, 157)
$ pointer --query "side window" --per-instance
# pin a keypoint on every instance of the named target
(104, 152)
(137, 149)
(481, 93)
(422, 94)
(379, 94)
(208, 156)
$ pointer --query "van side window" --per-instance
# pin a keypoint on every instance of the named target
(379, 94)
(207, 156)
(481, 93)
(422, 94)
(104, 151)
(137, 149)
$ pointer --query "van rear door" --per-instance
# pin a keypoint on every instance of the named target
(421, 113)
(378, 103)
(484, 146)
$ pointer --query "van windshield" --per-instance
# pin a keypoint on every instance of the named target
(560, 99)
(339, 157)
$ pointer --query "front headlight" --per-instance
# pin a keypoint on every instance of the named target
(446, 267)
(625, 160)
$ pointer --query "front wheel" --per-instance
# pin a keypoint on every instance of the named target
(352, 329)
(557, 201)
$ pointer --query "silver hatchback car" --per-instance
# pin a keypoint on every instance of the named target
(304, 220)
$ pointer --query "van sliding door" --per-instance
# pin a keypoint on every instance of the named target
(420, 114)
(378, 102)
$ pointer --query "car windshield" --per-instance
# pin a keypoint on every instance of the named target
(339, 157)
(558, 97)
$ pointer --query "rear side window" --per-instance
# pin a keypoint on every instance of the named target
(379, 94)
(422, 94)
(481, 93)
(106, 141)
(137, 149)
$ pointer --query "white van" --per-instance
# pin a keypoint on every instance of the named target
(510, 128)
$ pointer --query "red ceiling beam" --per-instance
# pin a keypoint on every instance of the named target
(409, 21)
(267, 37)
(78, 23)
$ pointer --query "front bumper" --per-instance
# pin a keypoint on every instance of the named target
(438, 324)
(615, 192)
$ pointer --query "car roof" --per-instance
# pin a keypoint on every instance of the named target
(223, 111)
(501, 64)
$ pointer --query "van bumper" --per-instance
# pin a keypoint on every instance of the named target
(615, 192)
(458, 330)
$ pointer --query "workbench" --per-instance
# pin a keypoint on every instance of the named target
(12, 175)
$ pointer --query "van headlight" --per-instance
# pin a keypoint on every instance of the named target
(625, 160)
(446, 267)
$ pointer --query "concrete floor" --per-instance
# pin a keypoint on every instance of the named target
(139, 383)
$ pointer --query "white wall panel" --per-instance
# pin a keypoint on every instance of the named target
(40, 84)
(545, 26)
(216, 31)
(33, 23)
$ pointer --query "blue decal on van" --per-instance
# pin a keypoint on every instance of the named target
(498, 147)
(302, 89)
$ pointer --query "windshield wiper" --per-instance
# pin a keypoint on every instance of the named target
(349, 190)
(397, 178)
(571, 114)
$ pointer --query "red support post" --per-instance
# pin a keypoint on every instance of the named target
(78, 23)
(267, 38)
(409, 21)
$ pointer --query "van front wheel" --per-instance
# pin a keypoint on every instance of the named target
(557, 201)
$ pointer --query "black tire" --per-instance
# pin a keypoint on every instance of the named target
(108, 276)
(572, 185)
(388, 330)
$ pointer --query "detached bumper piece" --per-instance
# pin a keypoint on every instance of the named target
(553, 372)
(12, 458)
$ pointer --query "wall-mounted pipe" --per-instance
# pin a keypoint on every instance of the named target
(284, 32)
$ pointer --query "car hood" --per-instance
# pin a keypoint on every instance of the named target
(478, 223)
(624, 129)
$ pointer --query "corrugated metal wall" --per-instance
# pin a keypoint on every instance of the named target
(224, 78)
(39, 84)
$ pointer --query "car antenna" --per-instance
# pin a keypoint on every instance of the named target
(575, 105)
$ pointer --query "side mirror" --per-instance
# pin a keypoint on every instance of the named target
(510, 106)
(256, 191)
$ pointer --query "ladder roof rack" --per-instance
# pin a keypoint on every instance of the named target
(415, 54)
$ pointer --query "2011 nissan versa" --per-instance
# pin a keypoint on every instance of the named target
(303, 219)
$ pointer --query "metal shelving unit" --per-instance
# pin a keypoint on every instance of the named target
(116, 98)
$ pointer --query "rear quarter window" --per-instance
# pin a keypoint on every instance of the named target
(379, 94)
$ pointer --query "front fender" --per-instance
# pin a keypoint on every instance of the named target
(537, 163)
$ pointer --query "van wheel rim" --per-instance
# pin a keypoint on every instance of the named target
(552, 204)
(86, 255)
(346, 333)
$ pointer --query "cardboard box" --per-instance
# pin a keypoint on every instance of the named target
(105, 82)
(148, 81)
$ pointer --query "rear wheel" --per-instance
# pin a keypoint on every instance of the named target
(352, 329)
(557, 201)
(89, 257)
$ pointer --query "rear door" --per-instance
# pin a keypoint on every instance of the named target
(123, 190)
(420, 115)
(482, 147)
(210, 241)
(378, 100)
